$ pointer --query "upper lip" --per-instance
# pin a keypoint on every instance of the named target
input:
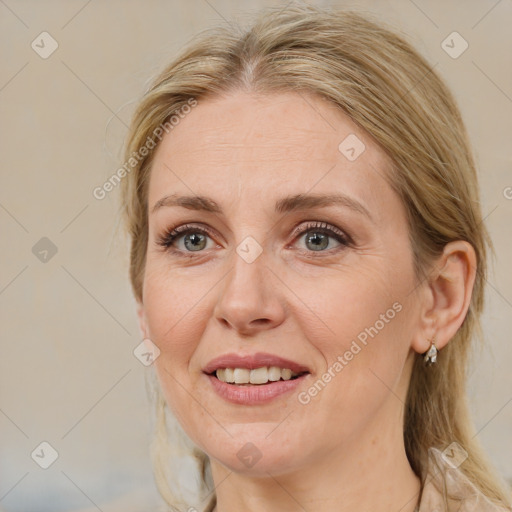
(253, 361)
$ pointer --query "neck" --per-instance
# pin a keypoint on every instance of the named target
(370, 472)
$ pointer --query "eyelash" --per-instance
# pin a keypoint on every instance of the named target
(170, 236)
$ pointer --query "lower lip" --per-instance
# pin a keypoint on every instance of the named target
(257, 393)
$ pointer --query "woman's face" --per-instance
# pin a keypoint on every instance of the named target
(270, 275)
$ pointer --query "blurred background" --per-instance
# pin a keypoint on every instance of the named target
(75, 420)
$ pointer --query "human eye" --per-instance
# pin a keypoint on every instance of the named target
(318, 236)
(194, 240)
(190, 240)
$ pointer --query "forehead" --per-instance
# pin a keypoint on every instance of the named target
(244, 143)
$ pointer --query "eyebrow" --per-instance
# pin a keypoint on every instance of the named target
(285, 205)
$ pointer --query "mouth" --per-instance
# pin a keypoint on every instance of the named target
(255, 377)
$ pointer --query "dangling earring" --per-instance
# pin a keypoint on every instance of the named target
(431, 354)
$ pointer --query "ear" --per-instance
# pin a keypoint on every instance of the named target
(447, 295)
(141, 314)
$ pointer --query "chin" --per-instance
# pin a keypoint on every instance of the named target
(251, 461)
(253, 452)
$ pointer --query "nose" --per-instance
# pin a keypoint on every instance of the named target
(251, 298)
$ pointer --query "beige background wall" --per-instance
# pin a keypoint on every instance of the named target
(68, 328)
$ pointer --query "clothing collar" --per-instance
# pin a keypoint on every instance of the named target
(447, 489)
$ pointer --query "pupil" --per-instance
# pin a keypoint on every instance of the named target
(196, 240)
(320, 243)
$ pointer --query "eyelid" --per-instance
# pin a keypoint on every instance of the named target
(321, 226)
(165, 241)
(177, 232)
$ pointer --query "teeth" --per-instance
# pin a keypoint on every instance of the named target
(242, 375)
(257, 376)
(229, 375)
(274, 373)
(286, 374)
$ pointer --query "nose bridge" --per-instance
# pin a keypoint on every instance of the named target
(246, 281)
(248, 297)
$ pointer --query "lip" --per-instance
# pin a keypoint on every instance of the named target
(253, 361)
(256, 394)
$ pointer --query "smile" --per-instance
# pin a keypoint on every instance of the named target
(262, 375)
(254, 379)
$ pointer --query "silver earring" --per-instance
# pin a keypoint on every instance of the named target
(431, 354)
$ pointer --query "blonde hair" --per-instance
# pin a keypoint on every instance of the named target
(387, 88)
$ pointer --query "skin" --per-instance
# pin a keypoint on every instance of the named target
(247, 151)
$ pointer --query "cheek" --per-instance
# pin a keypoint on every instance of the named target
(175, 317)
(175, 320)
(342, 306)
(361, 333)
